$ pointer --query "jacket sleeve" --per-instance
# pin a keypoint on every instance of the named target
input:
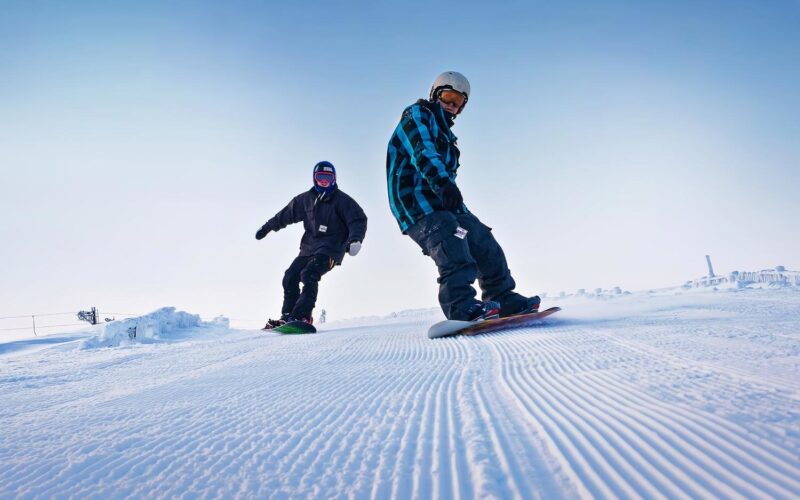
(421, 146)
(291, 213)
(356, 220)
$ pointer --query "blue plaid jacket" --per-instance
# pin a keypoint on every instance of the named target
(422, 157)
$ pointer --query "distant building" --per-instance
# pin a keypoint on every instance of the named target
(778, 276)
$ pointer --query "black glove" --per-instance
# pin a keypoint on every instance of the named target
(451, 196)
(262, 232)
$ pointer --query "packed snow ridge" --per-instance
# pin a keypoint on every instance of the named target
(158, 325)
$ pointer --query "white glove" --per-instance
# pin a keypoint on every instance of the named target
(353, 248)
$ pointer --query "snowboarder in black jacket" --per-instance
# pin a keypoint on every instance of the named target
(421, 164)
(334, 224)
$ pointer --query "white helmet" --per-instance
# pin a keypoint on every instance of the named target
(450, 80)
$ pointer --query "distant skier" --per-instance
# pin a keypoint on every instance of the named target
(421, 165)
(334, 224)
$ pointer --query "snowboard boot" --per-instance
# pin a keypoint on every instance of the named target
(531, 305)
(517, 304)
(275, 323)
(308, 319)
(482, 311)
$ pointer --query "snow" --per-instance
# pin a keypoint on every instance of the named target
(158, 325)
(664, 394)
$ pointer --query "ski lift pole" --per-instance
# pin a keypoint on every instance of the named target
(88, 316)
(34, 325)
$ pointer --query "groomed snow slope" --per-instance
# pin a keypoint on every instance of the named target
(694, 395)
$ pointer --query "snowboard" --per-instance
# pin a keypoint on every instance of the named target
(294, 327)
(449, 328)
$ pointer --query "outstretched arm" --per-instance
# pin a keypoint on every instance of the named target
(291, 213)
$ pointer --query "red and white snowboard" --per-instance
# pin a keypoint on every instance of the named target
(449, 328)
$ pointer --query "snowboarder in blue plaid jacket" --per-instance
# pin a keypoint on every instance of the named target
(421, 167)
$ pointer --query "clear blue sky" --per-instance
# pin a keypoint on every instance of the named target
(607, 144)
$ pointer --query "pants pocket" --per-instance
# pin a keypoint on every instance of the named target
(451, 254)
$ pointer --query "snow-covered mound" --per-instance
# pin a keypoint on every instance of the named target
(662, 395)
(158, 325)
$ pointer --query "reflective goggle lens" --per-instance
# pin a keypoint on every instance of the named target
(322, 177)
(452, 97)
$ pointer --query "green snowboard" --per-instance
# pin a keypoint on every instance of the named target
(295, 327)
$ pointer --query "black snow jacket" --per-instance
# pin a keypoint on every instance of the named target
(331, 221)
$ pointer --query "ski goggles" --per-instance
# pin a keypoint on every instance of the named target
(452, 98)
(324, 179)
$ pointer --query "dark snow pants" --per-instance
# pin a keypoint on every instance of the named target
(461, 260)
(309, 271)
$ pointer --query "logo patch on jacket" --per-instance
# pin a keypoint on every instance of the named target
(323, 229)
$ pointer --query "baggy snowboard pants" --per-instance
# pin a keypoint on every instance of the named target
(309, 271)
(460, 260)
